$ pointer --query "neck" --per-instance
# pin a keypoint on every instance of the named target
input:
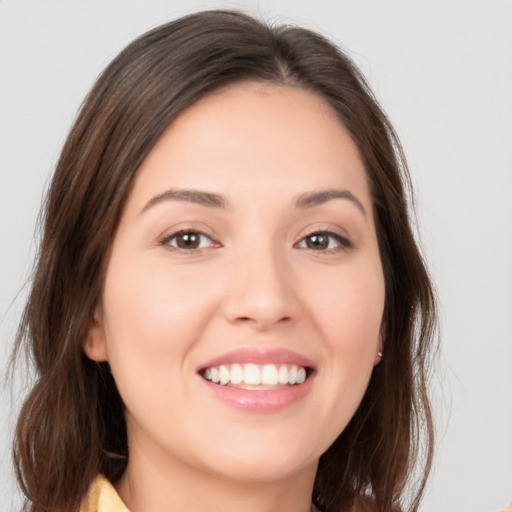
(147, 487)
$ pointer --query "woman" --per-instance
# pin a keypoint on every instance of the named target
(229, 308)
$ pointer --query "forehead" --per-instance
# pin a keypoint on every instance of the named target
(253, 136)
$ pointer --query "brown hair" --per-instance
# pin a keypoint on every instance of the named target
(71, 426)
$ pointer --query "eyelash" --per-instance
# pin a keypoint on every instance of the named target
(342, 243)
(167, 240)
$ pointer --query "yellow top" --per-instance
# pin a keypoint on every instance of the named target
(102, 497)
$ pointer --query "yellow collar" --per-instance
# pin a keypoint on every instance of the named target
(102, 497)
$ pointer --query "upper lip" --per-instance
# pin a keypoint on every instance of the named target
(259, 357)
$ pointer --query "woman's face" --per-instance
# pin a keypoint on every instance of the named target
(246, 260)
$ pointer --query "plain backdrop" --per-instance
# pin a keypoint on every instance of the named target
(443, 72)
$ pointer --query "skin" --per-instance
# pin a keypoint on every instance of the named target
(255, 281)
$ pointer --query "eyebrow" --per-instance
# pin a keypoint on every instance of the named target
(207, 199)
(211, 200)
(311, 199)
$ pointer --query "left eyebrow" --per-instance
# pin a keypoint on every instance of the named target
(207, 199)
(310, 199)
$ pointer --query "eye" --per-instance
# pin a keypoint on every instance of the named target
(188, 240)
(324, 241)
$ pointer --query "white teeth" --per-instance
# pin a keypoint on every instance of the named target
(223, 375)
(292, 375)
(215, 375)
(282, 377)
(237, 374)
(301, 375)
(254, 375)
(269, 375)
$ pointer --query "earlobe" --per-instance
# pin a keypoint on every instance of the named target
(379, 351)
(95, 346)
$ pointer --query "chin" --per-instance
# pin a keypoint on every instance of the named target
(264, 469)
(262, 457)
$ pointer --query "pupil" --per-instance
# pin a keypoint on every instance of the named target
(188, 241)
(318, 242)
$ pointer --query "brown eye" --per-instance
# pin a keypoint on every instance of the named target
(317, 241)
(324, 241)
(188, 240)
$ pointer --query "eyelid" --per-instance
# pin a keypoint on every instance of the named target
(173, 233)
(344, 242)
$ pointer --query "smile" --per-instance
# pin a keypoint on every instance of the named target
(257, 380)
(254, 377)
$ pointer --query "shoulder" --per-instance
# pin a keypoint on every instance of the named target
(102, 497)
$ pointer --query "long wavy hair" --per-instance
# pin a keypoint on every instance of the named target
(71, 426)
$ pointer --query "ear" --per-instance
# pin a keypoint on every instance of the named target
(379, 350)
(95, 346)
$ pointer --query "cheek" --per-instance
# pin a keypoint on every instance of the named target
(151, 319)
(348, 314)
(349, 307)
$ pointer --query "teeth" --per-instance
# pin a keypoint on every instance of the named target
(282, 376)
(292, 375)
(215, 375)
(254, 375)
(237, 374)
(223, 375)
(269, 375)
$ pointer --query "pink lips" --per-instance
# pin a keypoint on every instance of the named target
(255, 400)
(255, 356)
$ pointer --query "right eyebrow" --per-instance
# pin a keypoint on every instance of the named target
(311, 199)
(207, 199)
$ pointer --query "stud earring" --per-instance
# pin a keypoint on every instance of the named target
(379, 354)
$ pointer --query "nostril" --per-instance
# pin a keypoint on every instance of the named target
(260, 307)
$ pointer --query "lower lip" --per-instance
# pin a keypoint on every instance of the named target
(260, 401)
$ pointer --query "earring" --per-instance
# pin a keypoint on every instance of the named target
(379, 354)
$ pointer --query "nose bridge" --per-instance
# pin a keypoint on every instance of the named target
(261, 285)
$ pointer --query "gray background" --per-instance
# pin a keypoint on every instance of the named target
(442, 70)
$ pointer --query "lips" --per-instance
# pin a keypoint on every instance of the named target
(258, 380)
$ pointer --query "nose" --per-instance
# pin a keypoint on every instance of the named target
(261, 293)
